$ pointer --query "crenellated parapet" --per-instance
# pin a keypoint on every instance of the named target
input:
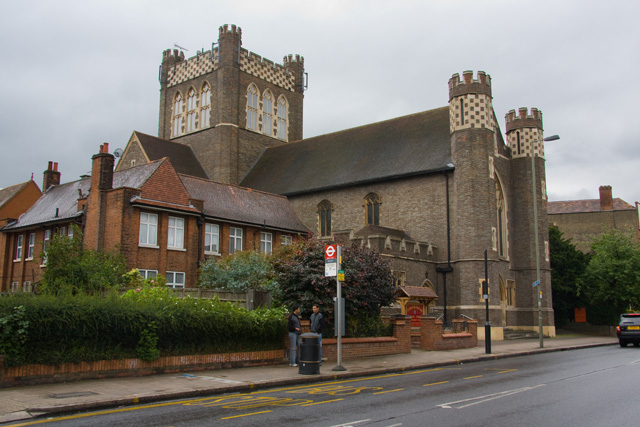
(228, 52)
(481, 85)
(524, 132)
(470, 102)
(277, 74)
(523, 119)
(196, 66)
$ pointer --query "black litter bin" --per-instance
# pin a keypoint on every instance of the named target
(309, 361)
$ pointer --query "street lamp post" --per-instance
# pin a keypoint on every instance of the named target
(535, 231)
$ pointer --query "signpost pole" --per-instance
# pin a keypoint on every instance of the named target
(339, 314)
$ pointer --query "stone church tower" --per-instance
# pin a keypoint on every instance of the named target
(228, 104)
(525, 139)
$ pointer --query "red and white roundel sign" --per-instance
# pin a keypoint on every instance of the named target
(330, 252)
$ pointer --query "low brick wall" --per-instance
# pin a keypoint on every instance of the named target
(432, 338)
(44, 374)
(353, 348)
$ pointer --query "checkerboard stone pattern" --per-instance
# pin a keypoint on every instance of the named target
(478, 111)
(250, 63)
(527, 135)
(193, 67)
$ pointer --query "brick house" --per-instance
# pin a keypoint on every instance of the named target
(582, 220)
(162, 221)
(431, 191)
(14, 201)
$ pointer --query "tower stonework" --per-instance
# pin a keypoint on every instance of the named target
(525, 139)
(229, 144)
(473, 201)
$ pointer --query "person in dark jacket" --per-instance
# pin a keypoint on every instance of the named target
(317, 325)
(295, 329)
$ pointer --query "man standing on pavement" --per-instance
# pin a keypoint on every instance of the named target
(295, 329)
(317, 324)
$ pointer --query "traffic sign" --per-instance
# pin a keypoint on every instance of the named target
(330, 252)
(536, 283)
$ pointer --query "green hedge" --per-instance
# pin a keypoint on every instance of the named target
(53, 330)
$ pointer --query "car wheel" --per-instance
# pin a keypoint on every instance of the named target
(623, 343)
(636, 344)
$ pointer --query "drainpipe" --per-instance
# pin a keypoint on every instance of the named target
(447, 269)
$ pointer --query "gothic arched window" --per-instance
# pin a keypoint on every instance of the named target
(252, 107)
(205, 107)
(267, 113)
(324, 218)
(283, 118)
(191, 110)
(502, 220)
(177, 115)
(372, 209)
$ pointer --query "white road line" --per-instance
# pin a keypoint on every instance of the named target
(351, 423)
(486, 398)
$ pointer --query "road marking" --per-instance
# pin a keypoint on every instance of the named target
(461, 404)
(245, 415)
(350, 423)
(320, 403)
(389, 391)
(472, 378)
(441, 382)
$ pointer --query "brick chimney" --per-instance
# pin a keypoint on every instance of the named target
(51, 176)
(606, 200)
(102, 169)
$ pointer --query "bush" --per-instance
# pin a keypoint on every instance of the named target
(58, 329)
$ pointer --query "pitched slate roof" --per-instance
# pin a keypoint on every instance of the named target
(60, 202)
(584, 206)
(369, 230)
(243, 205)
(182, 156)
(404, 146)
(8, 193)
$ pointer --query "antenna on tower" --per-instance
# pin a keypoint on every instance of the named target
(118, 152)
(180, 47)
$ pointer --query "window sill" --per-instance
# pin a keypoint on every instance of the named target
(17, 260)
(177, 249)
(212, 253)
(142, 245)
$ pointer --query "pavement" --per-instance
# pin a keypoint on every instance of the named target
(27, 402)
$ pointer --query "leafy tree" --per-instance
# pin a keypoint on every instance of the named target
(368, 285)
(568, 264)
(238, 272)
(72, 269)
(612, 278)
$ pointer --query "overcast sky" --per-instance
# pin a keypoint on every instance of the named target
(75, 74)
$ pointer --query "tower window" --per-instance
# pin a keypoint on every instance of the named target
(191, 111)
(283, 122)
(205, 107)
(177, 115)
(267, 114)
(252, 108)
(519, 143)
(324, 218)
(461, 112)
(372, 209)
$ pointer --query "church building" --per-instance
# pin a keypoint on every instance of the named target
(432, 191)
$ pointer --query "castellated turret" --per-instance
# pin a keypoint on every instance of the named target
(229, 44)
(470, 104)
(524, 132)
(294, 64)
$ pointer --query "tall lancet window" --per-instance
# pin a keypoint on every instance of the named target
(502, 220)
(252, 107)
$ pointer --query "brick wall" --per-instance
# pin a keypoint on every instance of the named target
(43, 374)
(433, 338)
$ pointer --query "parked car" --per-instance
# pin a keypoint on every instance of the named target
(628, 329)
